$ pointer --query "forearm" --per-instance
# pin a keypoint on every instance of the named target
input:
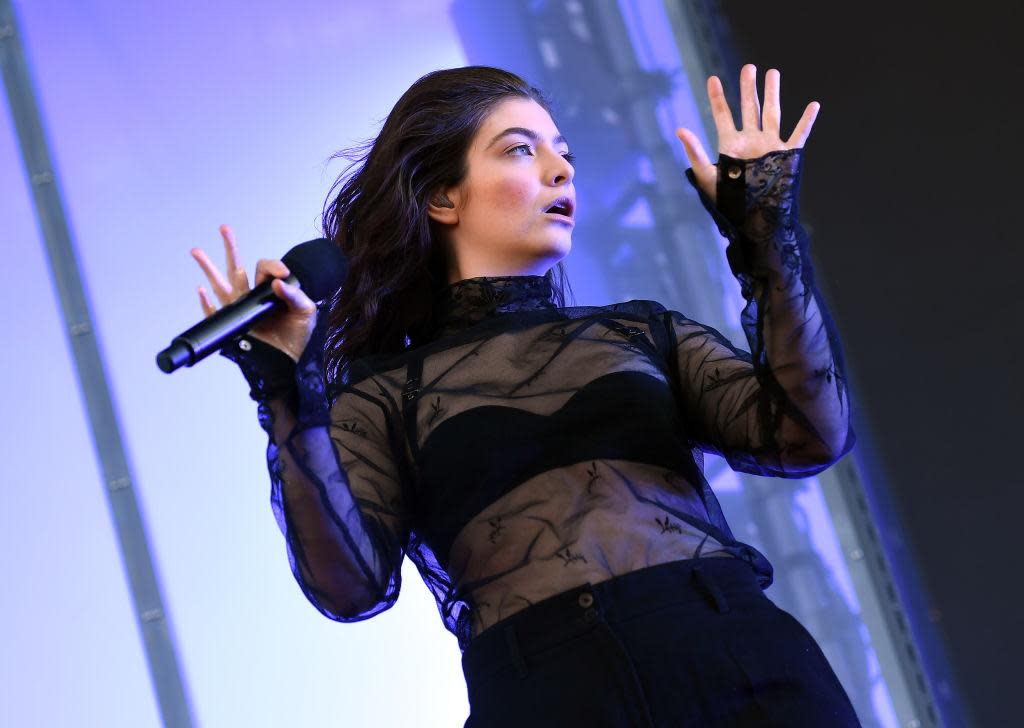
(320, 519)
(332, 554)
(803, 406)
(799, 355)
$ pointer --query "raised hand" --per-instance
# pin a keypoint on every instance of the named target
(288, 330)
(760, 132)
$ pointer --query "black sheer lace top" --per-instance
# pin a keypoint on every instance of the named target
(527, 448)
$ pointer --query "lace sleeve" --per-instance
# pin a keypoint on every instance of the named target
(336, 489)
(782, 408)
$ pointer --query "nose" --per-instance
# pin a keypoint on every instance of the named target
(563, 172)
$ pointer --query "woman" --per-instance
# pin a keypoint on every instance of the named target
(541, 464)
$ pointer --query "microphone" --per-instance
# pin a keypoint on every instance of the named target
(318, 266)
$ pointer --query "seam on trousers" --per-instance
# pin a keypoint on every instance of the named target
(617, 654)
(513, 647)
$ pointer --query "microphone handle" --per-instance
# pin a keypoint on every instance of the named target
(208, 335)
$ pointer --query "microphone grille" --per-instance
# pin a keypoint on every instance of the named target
(319, 265)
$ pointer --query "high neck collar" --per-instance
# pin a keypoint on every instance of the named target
(464, 303)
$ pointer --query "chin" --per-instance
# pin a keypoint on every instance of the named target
(555, 253)
(559, 245)
(548, 251)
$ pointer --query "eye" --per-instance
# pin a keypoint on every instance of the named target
(569, 156)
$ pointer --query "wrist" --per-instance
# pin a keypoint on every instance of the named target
(269, 371)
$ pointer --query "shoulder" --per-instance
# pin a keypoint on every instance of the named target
(376, 378)
(637, 307)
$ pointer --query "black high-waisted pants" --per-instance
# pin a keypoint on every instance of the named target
(687, 643)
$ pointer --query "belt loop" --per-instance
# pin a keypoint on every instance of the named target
(721, 604)
(513, 648)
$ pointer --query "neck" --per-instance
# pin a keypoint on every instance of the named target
(466, 302)
(492, 269)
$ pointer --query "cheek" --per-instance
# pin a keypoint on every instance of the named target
(511, 195)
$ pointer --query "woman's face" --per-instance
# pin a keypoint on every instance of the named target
(517, 169)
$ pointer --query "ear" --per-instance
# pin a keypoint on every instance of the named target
(443, 209)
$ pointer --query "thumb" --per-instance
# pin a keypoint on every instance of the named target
(294, 296)
(694, 149)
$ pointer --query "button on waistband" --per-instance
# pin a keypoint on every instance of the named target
(586, 599)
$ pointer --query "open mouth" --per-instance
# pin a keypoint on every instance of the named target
(562, 207)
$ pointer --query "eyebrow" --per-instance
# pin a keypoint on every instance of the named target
(528, 133)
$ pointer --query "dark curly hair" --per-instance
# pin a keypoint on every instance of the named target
(397, 261)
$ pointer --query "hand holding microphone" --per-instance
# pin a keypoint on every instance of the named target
(287, 330)
(280, 311)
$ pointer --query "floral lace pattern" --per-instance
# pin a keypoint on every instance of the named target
(464, 303)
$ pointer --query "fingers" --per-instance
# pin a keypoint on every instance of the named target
(266, 268)
(236, 271)
(236, 284)
(204, 302)
(230, 288)
(220, 286)
(749, 105)
(803, 127)
(694, 149)
(294, 296)
(753, 120)
(720, 108)
(771, 119)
